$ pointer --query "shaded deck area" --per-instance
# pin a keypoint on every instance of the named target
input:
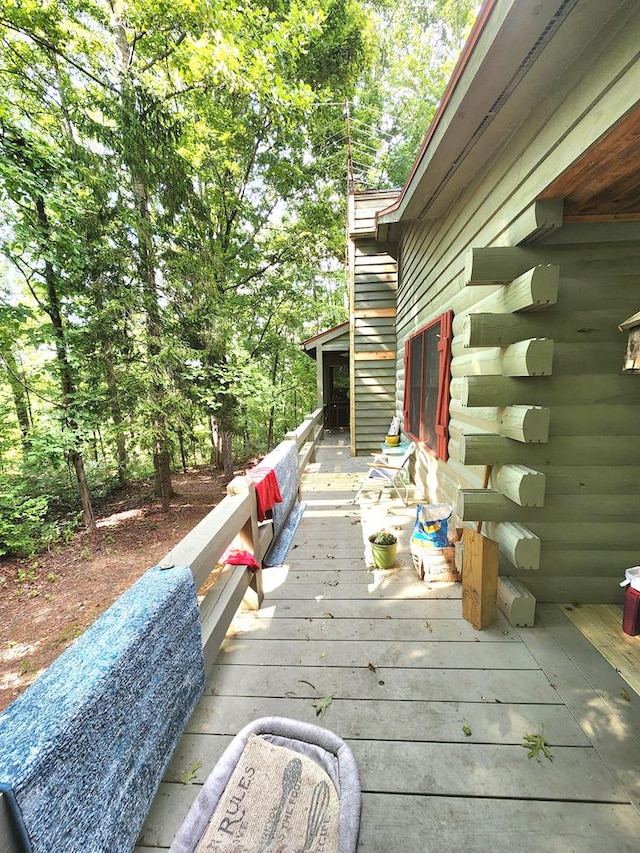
(434, 711)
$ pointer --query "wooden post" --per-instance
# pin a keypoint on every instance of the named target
(479, 579)
(248, 539)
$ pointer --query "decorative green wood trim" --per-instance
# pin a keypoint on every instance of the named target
(496, 264)
(525, 423)
(536, 222)
(545, 391)
(488, 505)
(525, 358)
(490, 449)
(518, 544)
(501, 330)
(519, 483)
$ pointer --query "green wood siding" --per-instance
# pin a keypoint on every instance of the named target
(373, 275)
(583, 553)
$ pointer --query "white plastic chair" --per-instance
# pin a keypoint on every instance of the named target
(396, 474)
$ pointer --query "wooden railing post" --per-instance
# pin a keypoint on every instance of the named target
(248, 538)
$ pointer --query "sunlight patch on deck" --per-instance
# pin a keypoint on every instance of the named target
(274, 576)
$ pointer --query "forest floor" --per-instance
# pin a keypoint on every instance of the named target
(50, 599)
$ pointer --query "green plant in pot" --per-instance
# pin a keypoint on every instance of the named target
(384, 547)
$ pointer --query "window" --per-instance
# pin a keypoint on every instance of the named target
(427, 360)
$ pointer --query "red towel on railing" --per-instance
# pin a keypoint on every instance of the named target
(234, 557)
(267, 489)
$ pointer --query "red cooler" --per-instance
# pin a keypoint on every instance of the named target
(631, 614)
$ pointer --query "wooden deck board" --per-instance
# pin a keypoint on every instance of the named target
(457, 685)
(444, 769)
(593, 691)
(354, 592)
(446, 824)
(601, 624)
(448, 608)
(427, 654)
(414, 720)
(427, 785)
(425, 629)
(477, 770)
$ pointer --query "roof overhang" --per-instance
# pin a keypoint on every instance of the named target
(335, 339)
(515, 48)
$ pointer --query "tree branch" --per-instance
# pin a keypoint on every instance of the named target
(272, 314)
(50, 46)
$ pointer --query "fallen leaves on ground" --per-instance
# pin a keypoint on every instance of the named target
(536, 744)
(322, 705)
(190, 772)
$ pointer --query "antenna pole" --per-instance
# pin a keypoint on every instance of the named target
(350, 178)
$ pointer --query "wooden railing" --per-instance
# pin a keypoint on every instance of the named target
(234, 522)
(307, 436)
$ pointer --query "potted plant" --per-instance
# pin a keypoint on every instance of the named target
(384, 547)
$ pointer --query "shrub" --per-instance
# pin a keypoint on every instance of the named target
(24, 529)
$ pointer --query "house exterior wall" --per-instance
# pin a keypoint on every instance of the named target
(579, 530)
(373, 272)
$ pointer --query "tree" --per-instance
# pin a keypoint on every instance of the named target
(43, 250)
(10, 321)
(175, 171)
(420, 41)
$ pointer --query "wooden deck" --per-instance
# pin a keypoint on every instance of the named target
(601, 624)
(434, 711)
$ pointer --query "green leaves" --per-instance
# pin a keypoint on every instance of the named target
(537, 746)
(322, 705)
(173, 207)
(190, 773)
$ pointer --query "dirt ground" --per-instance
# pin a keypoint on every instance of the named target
(49, 600)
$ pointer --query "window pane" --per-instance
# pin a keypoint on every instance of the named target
(415, 385)
(430, 374)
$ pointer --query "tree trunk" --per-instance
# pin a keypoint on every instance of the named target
(214, 457)
(116, 411)
(83, 490)
(195, 445)
(19, 393)
(183, 457)
(245, 431)
(65, 371)
(272, 410)
(227, 455)
(162, 468)
(147, 272)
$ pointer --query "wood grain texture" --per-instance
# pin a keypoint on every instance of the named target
(601, 624)
(520, 484)
(519, 545)
(479, 579)
(409, 678)
(500, 826)
(532, 357)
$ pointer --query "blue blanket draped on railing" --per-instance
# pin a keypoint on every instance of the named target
(83, 750)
